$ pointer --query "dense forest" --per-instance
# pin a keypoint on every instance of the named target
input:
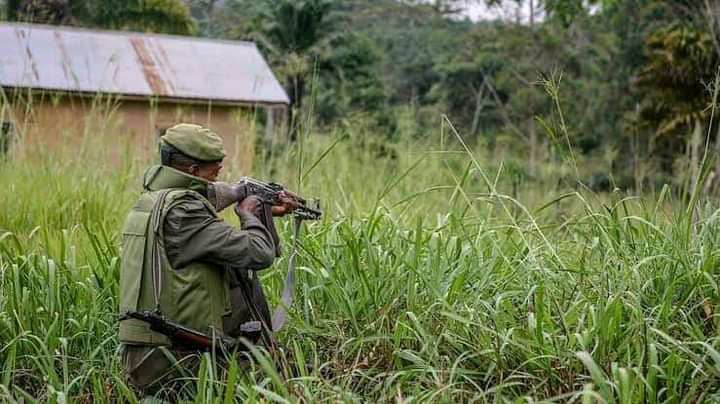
(626, 84)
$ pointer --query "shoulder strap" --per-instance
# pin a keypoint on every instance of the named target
(156, 222)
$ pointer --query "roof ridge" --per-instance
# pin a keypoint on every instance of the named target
(72, 28)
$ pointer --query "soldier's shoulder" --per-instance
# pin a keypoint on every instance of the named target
(188, 202)
(185, 196)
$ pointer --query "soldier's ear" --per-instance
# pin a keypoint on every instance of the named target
(194, 170)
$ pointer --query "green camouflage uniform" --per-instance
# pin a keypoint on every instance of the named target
(206, 278)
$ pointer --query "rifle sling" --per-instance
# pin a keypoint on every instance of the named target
(279, 316)
(269, 223)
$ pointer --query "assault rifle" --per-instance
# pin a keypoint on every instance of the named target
(269, 193)
(187, 338)
(223, 194)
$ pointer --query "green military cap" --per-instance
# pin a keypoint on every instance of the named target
(195, 141)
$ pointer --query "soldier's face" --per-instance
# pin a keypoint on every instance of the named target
(209, 171)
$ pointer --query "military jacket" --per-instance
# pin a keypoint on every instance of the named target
(206, 278)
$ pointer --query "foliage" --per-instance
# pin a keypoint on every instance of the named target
(675, 81)
(308, 44)
(294, 34)
(426, 282)
(348, 80)
(170, 16)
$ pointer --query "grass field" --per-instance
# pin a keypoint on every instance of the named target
(437, 275)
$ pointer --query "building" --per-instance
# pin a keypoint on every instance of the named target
(66, 85)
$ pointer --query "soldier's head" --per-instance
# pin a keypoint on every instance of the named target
(192, 149)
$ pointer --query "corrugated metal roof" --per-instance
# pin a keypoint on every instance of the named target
(134, 64)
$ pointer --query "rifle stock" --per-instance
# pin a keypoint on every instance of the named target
(181, 336)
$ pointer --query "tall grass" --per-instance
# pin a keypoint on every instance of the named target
(437, 275)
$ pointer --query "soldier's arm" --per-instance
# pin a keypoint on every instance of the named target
(192, 233)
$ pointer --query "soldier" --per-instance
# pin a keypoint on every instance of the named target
(181, 259)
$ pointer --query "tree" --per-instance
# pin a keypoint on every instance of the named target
(309, 45)
(563, 11)
(294, 34)
(48, 11)
(206, 13)
(676, 88)
(466, 83)
(349, 80)
(168, 16)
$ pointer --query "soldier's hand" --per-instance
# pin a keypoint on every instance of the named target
(287, 203)
(250, 204)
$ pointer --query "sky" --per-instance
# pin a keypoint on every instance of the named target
(476, 10)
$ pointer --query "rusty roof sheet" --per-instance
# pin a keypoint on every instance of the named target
(134, 64)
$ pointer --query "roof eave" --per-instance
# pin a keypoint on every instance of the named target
(145, 97)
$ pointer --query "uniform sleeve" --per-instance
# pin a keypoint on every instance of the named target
(192, 233)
